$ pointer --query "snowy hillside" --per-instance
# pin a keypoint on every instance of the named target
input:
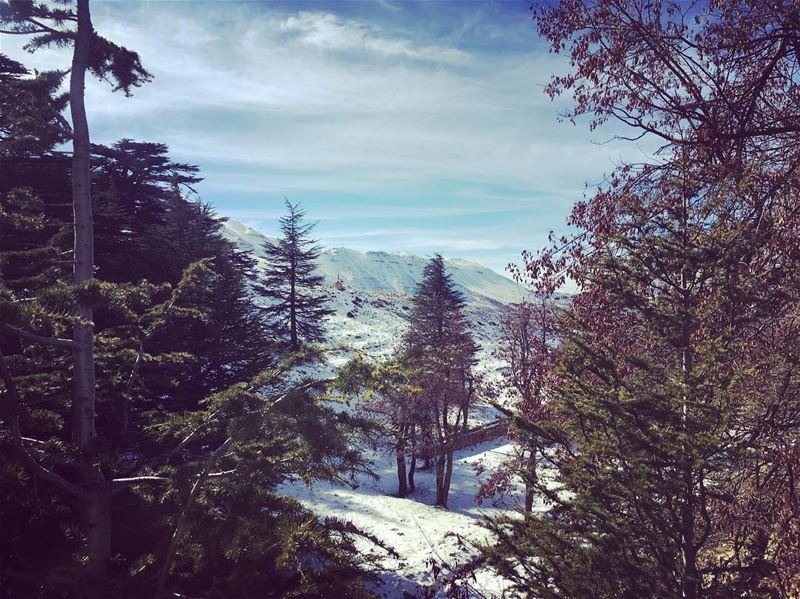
(371, 310)
(370, 317)
(396, 272)
(424, 537)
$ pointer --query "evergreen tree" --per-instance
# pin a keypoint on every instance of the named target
(31, 121)
(389, 394)
(440, 347)
(145, 489)
(296, 302)
(47, 25)
(651, 413)
(677, 391)
(421, 395)
(139, 197)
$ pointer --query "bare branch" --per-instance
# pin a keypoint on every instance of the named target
(135, 480)
(52, 341)
(16, 438)
(173, 544)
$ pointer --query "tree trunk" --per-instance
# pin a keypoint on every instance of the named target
(293, 305)
(470, 391)
(402, 482)
(690, 583)
(441, 497)
(691, 578)
(95, 520)
(448, 474)
(530, 482)
(412, 486)
(95, 514)
(83, 430)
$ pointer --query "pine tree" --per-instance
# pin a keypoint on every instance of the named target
(440, 346)
(91, 53)
(145, 489)
(296, 303)
(677, 391)
(31, 121)
(136, 188)
(389, 394)
(647, 402)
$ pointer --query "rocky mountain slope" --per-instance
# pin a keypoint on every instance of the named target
(372, 302)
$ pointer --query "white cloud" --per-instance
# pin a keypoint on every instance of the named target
(328, 31)
(275, 104)
(241, 94)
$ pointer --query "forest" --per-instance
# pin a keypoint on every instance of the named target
(165, 392)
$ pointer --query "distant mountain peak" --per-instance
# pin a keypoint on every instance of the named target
(390, 272)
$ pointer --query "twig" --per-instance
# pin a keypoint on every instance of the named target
(445, 563)
(173, 544)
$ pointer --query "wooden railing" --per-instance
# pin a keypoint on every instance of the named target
(481, 434)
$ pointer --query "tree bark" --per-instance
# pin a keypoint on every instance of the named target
(690, 583)
(400, 455)
(411, 471)
(448, 474)
(95, 519)
(95, 514)
(83, 403)
(295, 249)
(530, 482)
(413, 467)
(444, 475)
(402, 481)
(293, 306)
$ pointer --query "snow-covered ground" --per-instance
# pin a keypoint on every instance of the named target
(373, 323)
(422, 535)
(370, 319)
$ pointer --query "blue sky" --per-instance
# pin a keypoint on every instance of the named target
(419, 127)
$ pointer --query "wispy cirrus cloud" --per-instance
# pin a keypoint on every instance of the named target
(329, 31)
(426, 119)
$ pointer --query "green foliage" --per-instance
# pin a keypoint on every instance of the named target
(651, 432)
(296, 304)
(176, 333)
(241, 532)
(31, 121)
(47, 25)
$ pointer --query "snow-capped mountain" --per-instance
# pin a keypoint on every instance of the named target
(372, 304)
(391, 272)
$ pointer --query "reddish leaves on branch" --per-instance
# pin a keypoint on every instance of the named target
(700, 246)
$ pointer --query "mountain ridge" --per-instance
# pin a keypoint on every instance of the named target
(390, 272)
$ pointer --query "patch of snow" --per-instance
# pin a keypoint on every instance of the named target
(413, 527)
(370, 318)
